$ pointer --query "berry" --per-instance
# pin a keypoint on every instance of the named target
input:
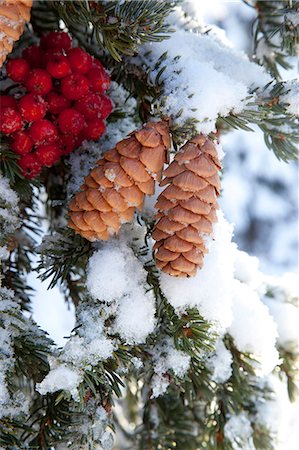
(42, 132)
(30, 165)
(71, 122)
(99, 79)
(48, 154)
(107, 106)
(33, 55)
(57, 102)
(80, 60)
(97, 63)
(69, 143)
(58, 65)
(39, 82)
(21, 143)
(11, 120)
(56, 39)
(32, 107)
(7, 100)
(17, 69)
(74, 86)
(94, 129)
(90, 105)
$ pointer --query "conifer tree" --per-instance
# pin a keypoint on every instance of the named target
(180, 341)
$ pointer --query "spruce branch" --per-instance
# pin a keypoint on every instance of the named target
(269, 111)
(276, 34)
(117, 27)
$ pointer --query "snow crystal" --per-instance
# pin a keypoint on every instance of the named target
(211, 289)
(238, 430)
(253, 329)
(61, 377)
(167, 358)
(203, 78)
(220, 363)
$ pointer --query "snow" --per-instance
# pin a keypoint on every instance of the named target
(9, 209)
(220, 363)
(238, 430)
(211, 289)
(253, 329)
(61, 377)
(202, 78)
(167, 358)
(116, 277)
(291, 98)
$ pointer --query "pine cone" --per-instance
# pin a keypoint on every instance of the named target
(187, 208)
(13, 16)
(113, 190)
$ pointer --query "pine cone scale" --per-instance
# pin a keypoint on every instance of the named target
(117, 185)
(187, 208)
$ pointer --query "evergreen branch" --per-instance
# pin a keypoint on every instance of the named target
(276, 34)
(117, 27)
(268, 110)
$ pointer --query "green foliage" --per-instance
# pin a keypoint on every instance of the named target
(267, 110)
(275, 29)
(116, 27)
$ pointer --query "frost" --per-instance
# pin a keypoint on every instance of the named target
(253, 329)
(220, 363)
(9, 210)
(203, 78)
(211, 289)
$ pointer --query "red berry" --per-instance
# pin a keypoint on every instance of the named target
(32, 107)
(69, 143)
(99, 79)
(97, 63)
(30, 165)
(48, 154)
(39, 82)
(43, 132)
(58, 65)
(106, 108)
(56, 39)
(89, 105)
(94, 129)
(74, 86)
(70, 122)
(11, 120)
(8, 100)
(17, 69)
(33, 55)
(57, 102)
(80, 60)
(21, 143)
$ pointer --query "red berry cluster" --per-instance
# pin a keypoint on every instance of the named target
(63, 102)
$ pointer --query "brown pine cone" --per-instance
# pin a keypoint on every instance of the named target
(13, 16)
(117, 186)
(187, 208)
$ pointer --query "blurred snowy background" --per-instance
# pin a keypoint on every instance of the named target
(260, 193)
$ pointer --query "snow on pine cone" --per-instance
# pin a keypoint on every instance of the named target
(117, 186)
(13, 16)
(187, 208)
